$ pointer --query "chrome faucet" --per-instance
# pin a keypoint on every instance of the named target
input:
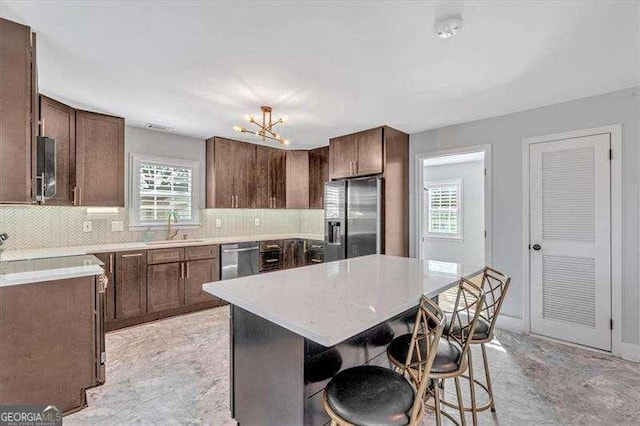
(172, 234)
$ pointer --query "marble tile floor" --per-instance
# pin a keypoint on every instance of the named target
(175, 371)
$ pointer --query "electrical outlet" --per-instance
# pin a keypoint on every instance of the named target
(256, 221)
(117, 226)
(87, 226)
(218, 223)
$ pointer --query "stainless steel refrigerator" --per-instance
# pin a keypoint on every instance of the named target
(353, 218)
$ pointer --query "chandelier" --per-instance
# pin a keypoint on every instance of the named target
(265, 129)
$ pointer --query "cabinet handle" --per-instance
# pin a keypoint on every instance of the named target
(132, 255)
(181, 270)
(321, 202)
(75, 195)
(111, 263)
(272, 260)
(272, 246)
(79, 196)
(316, 260)
(187, 269)
(355, 167)
(43, 132)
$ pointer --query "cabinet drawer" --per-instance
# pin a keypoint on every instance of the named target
(271, 245)
(165, 255)
(201, 252)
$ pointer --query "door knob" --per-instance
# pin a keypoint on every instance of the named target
(536, 247)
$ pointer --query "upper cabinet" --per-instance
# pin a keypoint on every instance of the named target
(270, 178)
(99, 177)
(358, 154)
(17, 111)
(58, 121)
(297, 179)
(318, 175)
(230, 173)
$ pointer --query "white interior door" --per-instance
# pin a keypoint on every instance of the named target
(570, 213)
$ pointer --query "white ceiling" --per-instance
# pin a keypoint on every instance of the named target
(332, 67)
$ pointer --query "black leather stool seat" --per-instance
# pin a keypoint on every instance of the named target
(482, 327)
(371, 395)
(379, 336)
(448, 358)
(323, 366)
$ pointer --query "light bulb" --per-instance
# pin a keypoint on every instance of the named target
(285, 142)
(248, 118)
(278, 136)
(284, 119)
(238, 128)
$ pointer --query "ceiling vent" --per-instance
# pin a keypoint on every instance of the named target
(158, 127)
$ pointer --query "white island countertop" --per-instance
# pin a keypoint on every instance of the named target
(49, 269)
(331, 302)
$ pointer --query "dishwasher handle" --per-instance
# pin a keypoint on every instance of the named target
(239, 249)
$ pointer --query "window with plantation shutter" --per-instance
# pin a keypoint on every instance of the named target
(444, 209)
(160, 186)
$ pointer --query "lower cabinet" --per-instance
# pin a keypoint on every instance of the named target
(146, 285)
(197, 273)
(131, 284)
(165, 286)
(293, 254)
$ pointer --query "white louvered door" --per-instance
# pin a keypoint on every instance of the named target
(570, 201)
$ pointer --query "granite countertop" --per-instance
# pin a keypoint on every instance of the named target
(9, 255)
(331, 302)
(48, 269)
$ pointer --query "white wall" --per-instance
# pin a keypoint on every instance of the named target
(469, 250)
(505, 134)
(144, 141)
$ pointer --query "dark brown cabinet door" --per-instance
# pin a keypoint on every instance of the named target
(297, 179)
(270, 178)
(244, 159)
(165, 286)
(16, 112)
(293, 254)
(58, 122)
(318, 175)
(369, 145)
(131, 284)
(343, 153)
(99, 160)
(197, 273)
(110, 294)
(220, 172)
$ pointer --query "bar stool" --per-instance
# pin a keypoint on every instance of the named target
(372, 395)
(453, 347)
(495, 285)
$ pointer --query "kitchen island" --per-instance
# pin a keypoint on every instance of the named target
(291, 331)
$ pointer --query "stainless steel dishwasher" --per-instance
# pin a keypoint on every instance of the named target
(239, 260)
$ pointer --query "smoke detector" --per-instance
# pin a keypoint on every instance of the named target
(158, 127)
(448, 26)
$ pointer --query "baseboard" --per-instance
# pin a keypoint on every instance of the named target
(630, 351)
(510, 323)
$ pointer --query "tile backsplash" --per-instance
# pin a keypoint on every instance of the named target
(53, 226)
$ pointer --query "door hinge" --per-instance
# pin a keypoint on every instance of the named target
(611, 324)
(485, 172)
(610, 154)
(529, 246)
(485, 234)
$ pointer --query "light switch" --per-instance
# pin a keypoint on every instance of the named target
(256, 221)
(117, 225)
(218, 223)
(87, 226)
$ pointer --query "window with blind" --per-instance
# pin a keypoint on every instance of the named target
(444, 209)
(160, 186)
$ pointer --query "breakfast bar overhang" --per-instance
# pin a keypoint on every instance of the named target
(292, 330)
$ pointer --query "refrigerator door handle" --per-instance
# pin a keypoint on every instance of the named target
(379, 213)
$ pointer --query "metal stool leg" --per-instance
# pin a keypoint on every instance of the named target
(472, 389)
(463, 420)
(436, 402)
(488, 377)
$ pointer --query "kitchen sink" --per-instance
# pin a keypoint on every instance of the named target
(166, 242)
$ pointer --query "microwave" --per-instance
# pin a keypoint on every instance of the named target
(45, 169)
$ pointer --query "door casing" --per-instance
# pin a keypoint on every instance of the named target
(615, 132)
